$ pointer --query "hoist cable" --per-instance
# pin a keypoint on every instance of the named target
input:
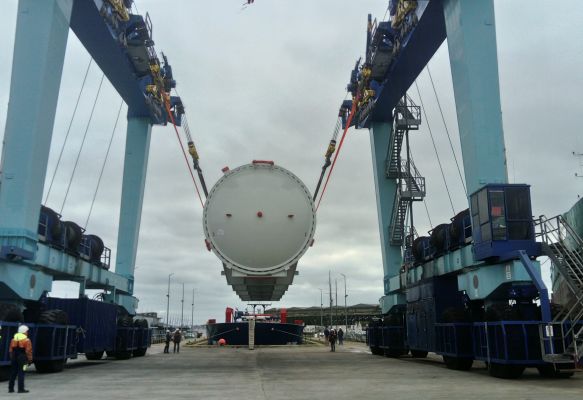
(329, 151)
(82, 144)
(103, 165)
(193, 152)
(68, 131)
(352, 112)
(435, 147)
(428, 216)
(183, 152)
(447, 132)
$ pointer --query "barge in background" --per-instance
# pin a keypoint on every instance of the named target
(269, 329)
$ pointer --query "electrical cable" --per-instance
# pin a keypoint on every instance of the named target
(435, 147)
(103, 165)
(447, 132)
(82, 144)
(68, 131)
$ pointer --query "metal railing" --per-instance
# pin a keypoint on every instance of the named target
(561, 339)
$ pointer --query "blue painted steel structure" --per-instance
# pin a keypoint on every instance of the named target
(471, 289)
(36, 245)
(121, 44)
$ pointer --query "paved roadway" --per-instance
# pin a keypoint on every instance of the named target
(304, 372)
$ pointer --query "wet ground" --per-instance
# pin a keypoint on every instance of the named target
(300, 372)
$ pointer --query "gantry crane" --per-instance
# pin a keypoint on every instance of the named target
(36, 247)
(472, 289)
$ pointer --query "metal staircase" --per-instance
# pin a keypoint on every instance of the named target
(562, 338)
(410, 183)
(407, 117)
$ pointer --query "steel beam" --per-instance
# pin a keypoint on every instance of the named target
(132, 196)
(380, 136)
(39, 51)
(471, 39)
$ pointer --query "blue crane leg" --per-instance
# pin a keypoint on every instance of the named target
(380, 136)
(39, 52)
(471, 39)
(132, 196)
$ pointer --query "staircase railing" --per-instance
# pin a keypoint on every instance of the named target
(562, 339)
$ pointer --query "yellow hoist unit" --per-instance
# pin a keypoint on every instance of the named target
(121, 10)
(404, 7)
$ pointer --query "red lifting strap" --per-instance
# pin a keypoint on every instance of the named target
(352, 111)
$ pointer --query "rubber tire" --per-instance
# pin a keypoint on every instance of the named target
(376, 351)
(505, 371)
(109, 353)
(140, 323)
(125, 321)
(502, 312)
(53, 317)
(548, 371)
(4, 373)
(10, 313)
(458, 363)
(94, 355)
(394, 353)
(141, 352)
(49, 367)
(123, 355)
(419, 353)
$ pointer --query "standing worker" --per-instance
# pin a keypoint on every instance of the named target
(168, 338)
(20, 355)
(333, 339)
(340, 337)
(326, 334)
(177, 337)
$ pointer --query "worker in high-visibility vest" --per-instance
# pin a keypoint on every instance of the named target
(20, 356)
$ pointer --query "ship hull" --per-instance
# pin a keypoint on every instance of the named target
(266, 333)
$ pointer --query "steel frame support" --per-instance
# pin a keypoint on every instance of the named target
(471, 39)
(132, 197)
(380, 136)
(42, 30)
(39, 51)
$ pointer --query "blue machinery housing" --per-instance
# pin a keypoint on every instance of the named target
(472, 289)
(37, 246)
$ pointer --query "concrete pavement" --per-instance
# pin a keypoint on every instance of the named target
(300, 372)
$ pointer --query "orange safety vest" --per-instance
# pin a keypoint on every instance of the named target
(21, 344)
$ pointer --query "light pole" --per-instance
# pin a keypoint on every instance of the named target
(336, 297)
(330, 291)
(182, 312)
(192, 315)
(345, 306)
(168, 300)
(321, 307)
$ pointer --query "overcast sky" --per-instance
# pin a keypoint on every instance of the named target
(266, 83)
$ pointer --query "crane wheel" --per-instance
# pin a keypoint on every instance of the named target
(49, 367)
(458, 363)
(505, 371)
(94, 355)
(10, 313)
(549, 371)
(419, 353)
